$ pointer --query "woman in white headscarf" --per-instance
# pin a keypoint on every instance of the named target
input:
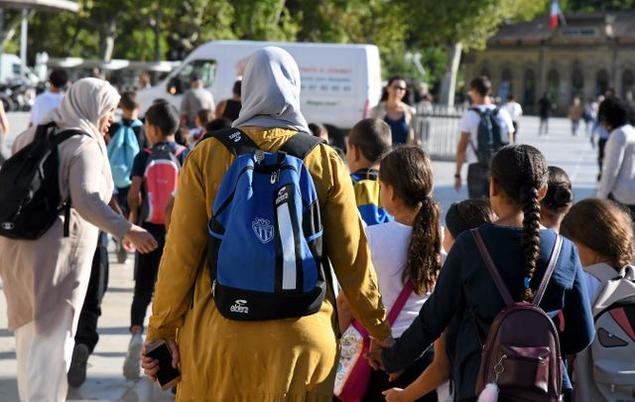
(285, 359)
(45, 280)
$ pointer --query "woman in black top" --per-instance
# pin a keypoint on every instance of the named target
(230, 108)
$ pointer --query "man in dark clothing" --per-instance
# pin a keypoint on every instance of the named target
(544, 110)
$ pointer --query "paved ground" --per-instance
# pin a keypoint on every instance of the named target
(105, 380)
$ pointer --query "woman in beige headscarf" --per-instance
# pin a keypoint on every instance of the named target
(46, 280)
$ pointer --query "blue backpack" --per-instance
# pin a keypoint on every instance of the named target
(265, 245)
(122, 150)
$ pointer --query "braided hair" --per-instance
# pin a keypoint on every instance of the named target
(409, 171)
(521, 171)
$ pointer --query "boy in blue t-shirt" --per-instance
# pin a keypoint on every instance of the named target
(154, 174)
(368, 141)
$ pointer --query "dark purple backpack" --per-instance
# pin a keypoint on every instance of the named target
(522, 351)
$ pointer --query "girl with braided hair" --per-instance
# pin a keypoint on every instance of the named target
(520, 249)
(406, 250)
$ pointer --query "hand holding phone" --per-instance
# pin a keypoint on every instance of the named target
(167, 376)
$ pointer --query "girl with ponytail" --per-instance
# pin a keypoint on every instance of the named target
(520, 249)
(405, 251)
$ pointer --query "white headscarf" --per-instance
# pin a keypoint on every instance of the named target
(271, 91)
(83, 104)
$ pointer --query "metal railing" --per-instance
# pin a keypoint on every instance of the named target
(437, 129)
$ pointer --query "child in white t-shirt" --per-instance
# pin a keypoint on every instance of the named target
(461, 216)
(407, 249)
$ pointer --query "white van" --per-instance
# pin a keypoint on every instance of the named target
(12, 69)
(340, 82)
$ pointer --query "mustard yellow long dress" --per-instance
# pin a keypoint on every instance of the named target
(279, 360)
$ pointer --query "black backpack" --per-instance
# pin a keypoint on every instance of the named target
(31, 201)
(490, 135)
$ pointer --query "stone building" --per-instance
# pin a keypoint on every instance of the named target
(590, 54)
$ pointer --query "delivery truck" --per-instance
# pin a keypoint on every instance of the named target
(340, 82)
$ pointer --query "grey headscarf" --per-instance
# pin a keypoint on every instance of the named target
(271, 91)
(86, 101)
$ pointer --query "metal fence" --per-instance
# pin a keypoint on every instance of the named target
(437, 128)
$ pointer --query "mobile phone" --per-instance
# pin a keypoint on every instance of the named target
(167, 376)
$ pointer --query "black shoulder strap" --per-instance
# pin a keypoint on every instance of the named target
(365, 174)
(477, 111)
(301, 144)
(55, 140)
(238, 143)
(235, 140)
(498, 280)
(64, 135)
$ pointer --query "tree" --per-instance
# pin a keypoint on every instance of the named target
(461, 25)
(598, 5)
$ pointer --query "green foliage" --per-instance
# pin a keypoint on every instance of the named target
(598, 5)
(178, 26)
(439, 23)
(263, 20)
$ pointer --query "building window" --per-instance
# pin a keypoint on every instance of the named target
(505, 87)
(577, 83)
(529, 85)
(485, 72)
(553, 83)
(601, 82)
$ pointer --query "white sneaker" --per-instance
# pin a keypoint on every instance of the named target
(132, 363)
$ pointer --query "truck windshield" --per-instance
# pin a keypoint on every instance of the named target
(204, 69)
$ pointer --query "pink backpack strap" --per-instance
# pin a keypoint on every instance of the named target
(394, 311)
(400, 302)
(179, 150)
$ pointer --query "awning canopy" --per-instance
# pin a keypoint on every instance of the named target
(41, 5)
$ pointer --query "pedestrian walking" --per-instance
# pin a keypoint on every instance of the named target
(291, 359)
(461, 216)
(197, 97)
(406, 252)
(51, 98)
(46, 282)
(618, 169)
(499, 131)
(515, 111)
(520, 250)
(545, 107)
(393, 109)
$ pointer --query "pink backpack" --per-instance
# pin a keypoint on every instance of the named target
(160, 178)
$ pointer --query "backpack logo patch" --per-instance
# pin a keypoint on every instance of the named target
(235, 136)
(8, 225)
(263, 230)
(239, 307)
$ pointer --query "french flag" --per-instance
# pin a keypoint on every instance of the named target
(554, 16)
